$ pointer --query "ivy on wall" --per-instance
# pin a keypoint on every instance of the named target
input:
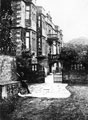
(7, 46)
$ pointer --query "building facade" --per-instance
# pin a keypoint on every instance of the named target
(41, 30)
(24, 25)
(49, 41)
(33, 29)
(42, 54)
(54, 43)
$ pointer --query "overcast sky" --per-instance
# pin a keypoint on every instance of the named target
(70, 15)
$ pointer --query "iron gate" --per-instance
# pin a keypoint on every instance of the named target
(57, 77)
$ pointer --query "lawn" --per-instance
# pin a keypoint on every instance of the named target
(73, 108)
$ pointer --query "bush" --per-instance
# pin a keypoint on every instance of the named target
(74, 54)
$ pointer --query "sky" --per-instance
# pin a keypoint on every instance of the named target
(70, 15)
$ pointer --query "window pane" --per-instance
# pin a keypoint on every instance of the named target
(27, 34)
(27, 43)
(27, 8)
(18, 21)
(27, 15)
(18, 35)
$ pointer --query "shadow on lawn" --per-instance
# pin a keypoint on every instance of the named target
(6, 108)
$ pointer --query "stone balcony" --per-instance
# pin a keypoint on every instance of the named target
(52, 37)
(53, 58)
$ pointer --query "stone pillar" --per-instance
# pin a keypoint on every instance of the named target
(9, 86)
(7, 68)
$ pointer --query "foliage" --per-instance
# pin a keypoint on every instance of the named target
(68, 54)
(71, 54)
(7, 46)
(23, 61)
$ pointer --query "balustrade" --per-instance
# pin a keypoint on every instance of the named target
(53, 57)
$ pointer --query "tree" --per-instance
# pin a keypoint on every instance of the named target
(74, 54)
(68, 55)
(6, 44)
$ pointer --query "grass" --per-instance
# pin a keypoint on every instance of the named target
(73, 108)
(6, 108)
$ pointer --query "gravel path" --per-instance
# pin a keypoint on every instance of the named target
(49, 89)
(46, 90)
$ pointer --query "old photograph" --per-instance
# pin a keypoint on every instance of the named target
(43, 59)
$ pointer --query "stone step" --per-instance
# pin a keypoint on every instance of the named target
(9, 89)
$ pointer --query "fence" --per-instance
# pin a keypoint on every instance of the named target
(75, 73)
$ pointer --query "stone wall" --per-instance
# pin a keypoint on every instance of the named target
(7, 68)
(9, 86)
(75, 73)
(76, 77)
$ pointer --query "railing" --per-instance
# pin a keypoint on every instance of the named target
(53, 57)
(52, 36)
(74, 67)
(75, 73)
(77, 67)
